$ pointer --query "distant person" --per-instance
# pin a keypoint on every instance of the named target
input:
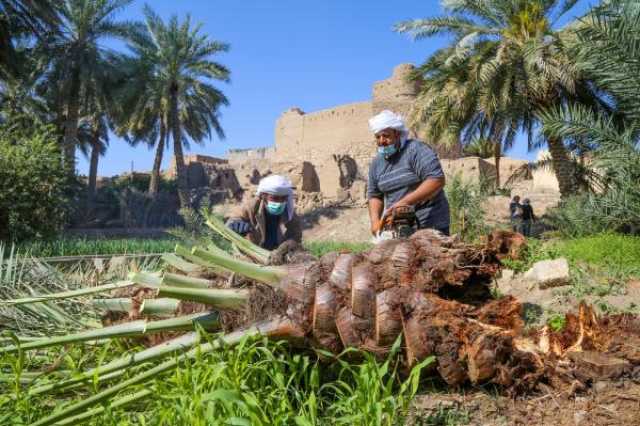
(515, 213)
(405, 172)
(269, 219)
(527, 217)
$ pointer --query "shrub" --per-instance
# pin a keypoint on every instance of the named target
(465, 204)
(34, 186)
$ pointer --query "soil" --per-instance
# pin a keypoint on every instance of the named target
(350, 224)
(604, 404)
(540, 304)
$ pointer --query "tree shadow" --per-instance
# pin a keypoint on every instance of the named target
(312, 218)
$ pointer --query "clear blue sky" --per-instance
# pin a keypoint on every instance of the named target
(310, 54)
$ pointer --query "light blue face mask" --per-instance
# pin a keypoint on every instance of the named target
(276, 209)
(388, 150)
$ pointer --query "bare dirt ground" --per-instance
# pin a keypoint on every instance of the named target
(348, 224)
(605, 403)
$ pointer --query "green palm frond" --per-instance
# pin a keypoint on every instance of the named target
(452, 25)
(22, 276)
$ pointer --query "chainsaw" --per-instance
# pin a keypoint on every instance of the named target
(400, 221)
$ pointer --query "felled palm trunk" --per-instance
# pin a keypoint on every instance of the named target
(403, 286)
(431, 289)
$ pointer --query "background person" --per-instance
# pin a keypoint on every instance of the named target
(515, 213)
(528, 217)
(405, 172)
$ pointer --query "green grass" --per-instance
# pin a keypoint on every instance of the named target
(623, 251)
(609, 251)
(556, 322)
(98, 246)
(319, 248)
(600, 265)
(258, 382)
(104, 246)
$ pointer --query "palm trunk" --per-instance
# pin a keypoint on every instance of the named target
(497, 154)
(71, 123)
(562, 167)
(155, 173)
(183, 187)
(93, 168)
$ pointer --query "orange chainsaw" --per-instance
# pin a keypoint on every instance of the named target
(401, 221)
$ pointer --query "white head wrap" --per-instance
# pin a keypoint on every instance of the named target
(278, 185)
(388, 120)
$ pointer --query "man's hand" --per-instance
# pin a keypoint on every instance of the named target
(240, 227)
(376, 227)
(376, 205)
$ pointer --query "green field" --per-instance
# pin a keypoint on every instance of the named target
(95, 246)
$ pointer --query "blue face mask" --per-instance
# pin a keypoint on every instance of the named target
(388, 150)
(275, 209)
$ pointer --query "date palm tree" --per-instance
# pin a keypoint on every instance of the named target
(507, 64)
(144, 115)
(77, 55)
(182, 101)
(93, 136)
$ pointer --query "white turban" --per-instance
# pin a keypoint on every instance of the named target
(278, 185)
(388, 120)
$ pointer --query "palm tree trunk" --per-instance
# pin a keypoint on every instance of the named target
(71, 123)
(155, 173)
(183, 188)
(93, 168)
(497, 154)
(562, 167)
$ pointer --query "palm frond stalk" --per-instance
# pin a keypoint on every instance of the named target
(181, 264)
(208, 321)
(162, 306)
(255, 252)
(120, 304)
(178, 344)
(69, 294)
(266, 329)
